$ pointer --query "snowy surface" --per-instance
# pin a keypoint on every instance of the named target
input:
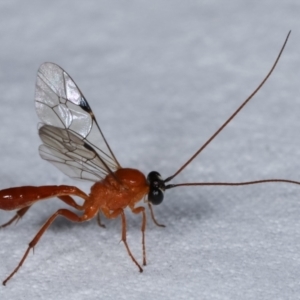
(161, 77)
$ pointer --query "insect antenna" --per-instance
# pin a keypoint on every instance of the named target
(220, 129)
(169, 186)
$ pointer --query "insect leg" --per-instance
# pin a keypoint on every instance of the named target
(61, 212)
(19, 214)
(152, 216)
(99, 221)
(114, 214)
(139, 210)
(70, 201)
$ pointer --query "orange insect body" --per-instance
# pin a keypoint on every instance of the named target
(109, 193)
(113, 194)
(74, 143)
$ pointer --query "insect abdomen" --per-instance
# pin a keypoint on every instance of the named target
(19, 197)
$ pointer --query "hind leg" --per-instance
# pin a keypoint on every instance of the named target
(61, 212)
(19, 214)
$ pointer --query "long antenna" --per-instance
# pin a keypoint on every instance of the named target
(170, 186)
(233, 115)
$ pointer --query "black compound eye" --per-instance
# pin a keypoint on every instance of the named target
(156, 196)
(153, 176)
(157, 187)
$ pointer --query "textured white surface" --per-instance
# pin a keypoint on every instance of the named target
(161, 77)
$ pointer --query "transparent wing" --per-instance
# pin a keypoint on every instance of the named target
(72, 138)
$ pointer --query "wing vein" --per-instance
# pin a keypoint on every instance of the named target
(72, 139)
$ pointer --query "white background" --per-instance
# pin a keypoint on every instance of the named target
(161, 77)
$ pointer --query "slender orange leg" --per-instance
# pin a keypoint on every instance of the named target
(114, 214)
(152, 216)
(139, 210)
(61, 212)
(99, 221)
(19, 214)
(70, 201)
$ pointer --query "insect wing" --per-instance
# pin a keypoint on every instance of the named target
(72, 139)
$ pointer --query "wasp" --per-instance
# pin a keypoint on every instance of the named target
(73, 142)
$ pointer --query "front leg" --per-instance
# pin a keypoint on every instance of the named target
(152, 216)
